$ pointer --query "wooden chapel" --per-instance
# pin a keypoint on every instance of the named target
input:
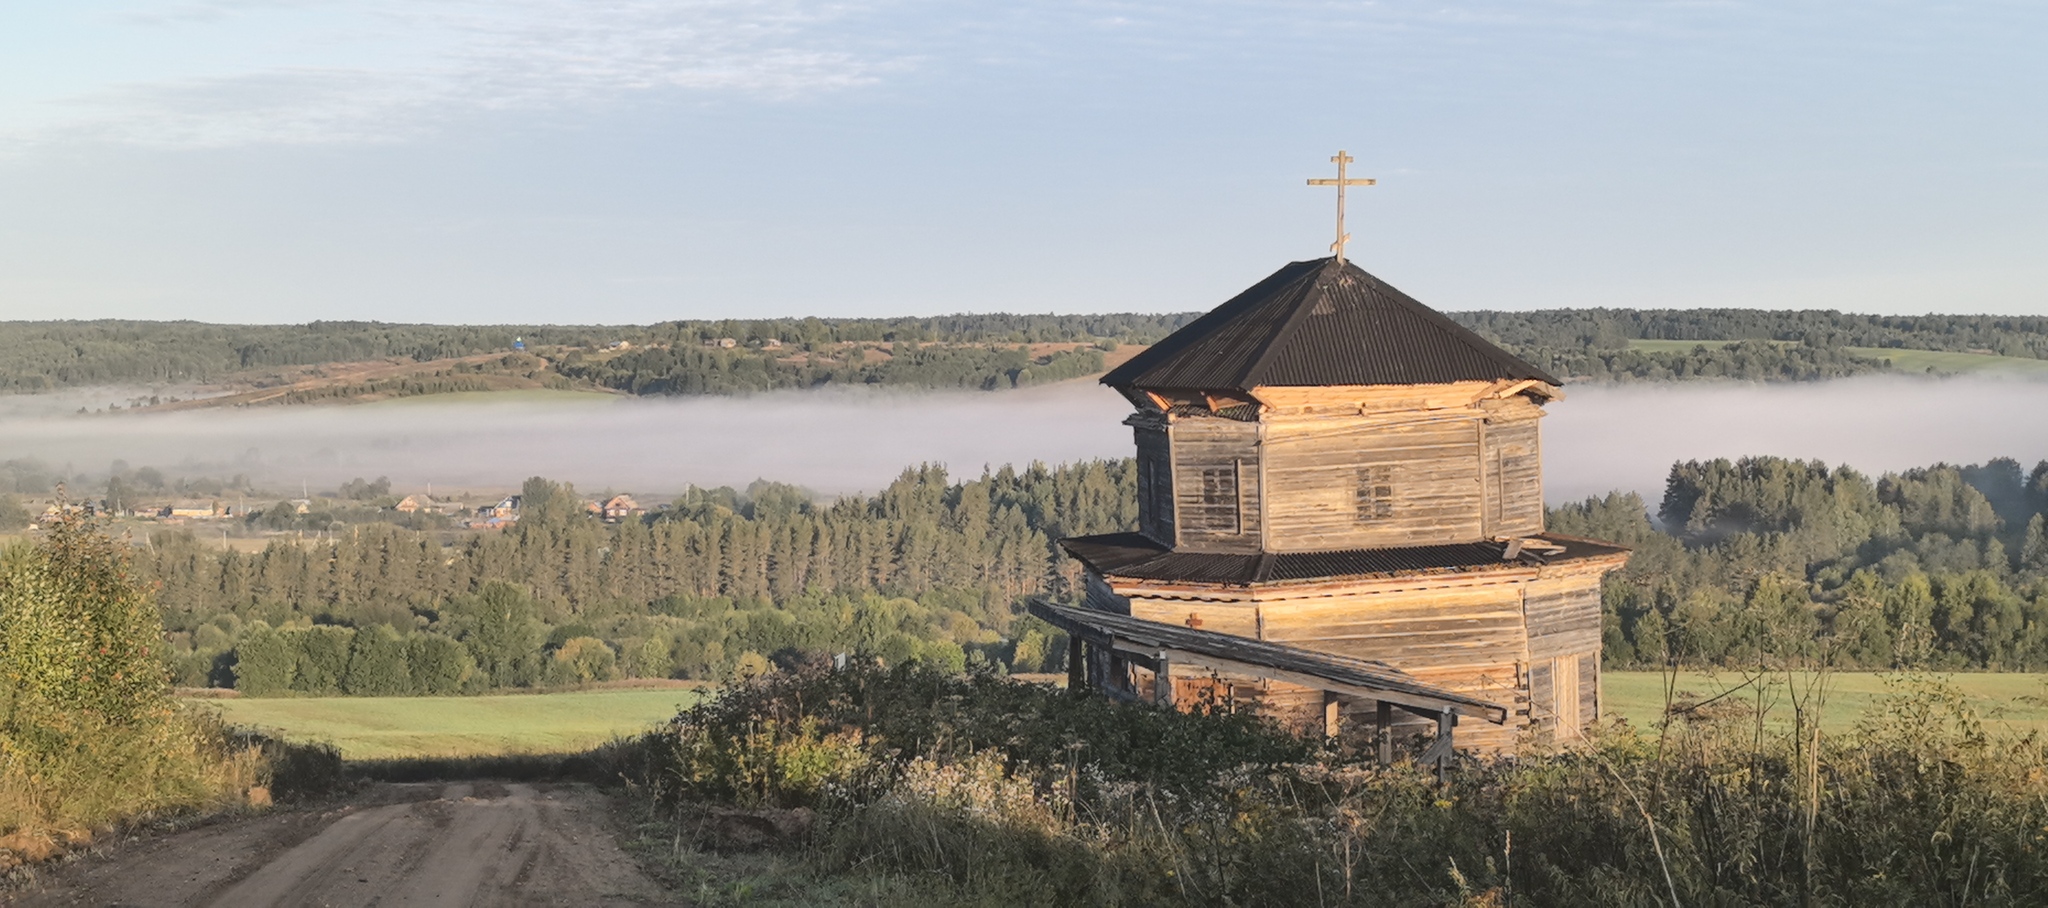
(1332, 473)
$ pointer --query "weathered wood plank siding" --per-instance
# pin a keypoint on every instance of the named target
(1468, 639)
(1237, 620)
(1100, 596)
(1564, 615)
(1542, 699)
(1514, 467)
(1589, 687)
(1155, 482)
(1216, 484)
(1364, 483)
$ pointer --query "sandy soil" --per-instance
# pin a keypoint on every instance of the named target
(467, 843)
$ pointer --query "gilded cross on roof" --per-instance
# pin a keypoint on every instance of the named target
(1340, 182)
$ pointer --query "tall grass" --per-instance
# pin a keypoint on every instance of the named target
(1013, 794)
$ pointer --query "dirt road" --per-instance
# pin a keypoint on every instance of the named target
(466, 843)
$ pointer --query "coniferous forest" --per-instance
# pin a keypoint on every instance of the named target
(1940, 567)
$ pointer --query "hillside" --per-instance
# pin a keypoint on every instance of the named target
(203, 365)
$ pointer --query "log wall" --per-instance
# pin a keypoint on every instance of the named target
(1366, 482)
(1216, 484)
(1347, 467)
(1503, 636)
(1155, 480)
(1513, 461)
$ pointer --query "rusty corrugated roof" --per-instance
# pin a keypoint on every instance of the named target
(1320, 322)
(1138, 557)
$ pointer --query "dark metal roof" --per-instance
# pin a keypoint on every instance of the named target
(1138, 557)
(1361, 676)
(1320, 322)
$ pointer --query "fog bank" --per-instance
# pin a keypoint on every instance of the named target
(833, 441)
(837, 441)
(1627, 436)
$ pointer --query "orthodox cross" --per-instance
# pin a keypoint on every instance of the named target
(1340, 182)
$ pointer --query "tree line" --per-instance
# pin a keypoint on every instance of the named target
(975, 351)
(674, 370)
(1743, 344)
(1941, 567)
(43, 356)
(721, 582)
(1611, 329)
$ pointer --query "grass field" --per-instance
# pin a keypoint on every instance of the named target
(1672, 346)
(1944, 362)
(2005, 701)
(381, 728)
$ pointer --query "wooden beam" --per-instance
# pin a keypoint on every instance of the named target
(1440, 751)
(1162, 681)
(1150, 642)
(1385, 725)
(1330, 714)
(1421, 704)
(1077, 663)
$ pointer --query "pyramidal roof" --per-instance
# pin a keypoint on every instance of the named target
(1320, 322)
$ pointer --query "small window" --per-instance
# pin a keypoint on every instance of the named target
(1216, 511)
(1375, 494)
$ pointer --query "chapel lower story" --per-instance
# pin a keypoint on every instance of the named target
(1514, 623)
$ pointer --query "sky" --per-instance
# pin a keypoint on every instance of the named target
(629, 161)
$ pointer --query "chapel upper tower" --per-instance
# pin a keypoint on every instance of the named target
(1324, 410)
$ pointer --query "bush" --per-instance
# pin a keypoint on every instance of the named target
(1002, 788)
(89, 735)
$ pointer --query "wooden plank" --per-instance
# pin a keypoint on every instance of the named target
(1220, 664)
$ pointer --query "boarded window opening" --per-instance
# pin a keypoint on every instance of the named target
(1217, 512)
(1375, 494)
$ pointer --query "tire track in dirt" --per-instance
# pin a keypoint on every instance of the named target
(477, 843)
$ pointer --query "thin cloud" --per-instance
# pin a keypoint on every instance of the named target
(437, 60)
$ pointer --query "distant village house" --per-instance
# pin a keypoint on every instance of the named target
(620, 507)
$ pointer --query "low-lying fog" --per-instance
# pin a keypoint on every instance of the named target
(1599, 438)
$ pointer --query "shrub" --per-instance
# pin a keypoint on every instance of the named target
(1003, 788)
(89, 734)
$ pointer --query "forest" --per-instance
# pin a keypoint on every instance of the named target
(1941, 567)
(44, 356)
(988, 352)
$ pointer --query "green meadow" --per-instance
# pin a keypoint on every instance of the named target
(1674, 346)
(1947, 362)
(384, 728)
(2008, 701)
